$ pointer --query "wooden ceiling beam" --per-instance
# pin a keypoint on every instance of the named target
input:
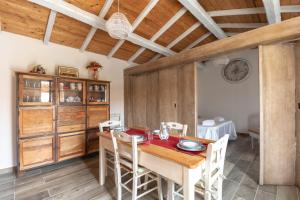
(96, 22)
(159, 33)
(50, 24)
(279, 32)
(198, 11)
(93, 30)
(272, 8)
(251, 11)
(241, 25)
(135, 24)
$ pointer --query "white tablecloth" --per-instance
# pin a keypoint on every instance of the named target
(217, 131)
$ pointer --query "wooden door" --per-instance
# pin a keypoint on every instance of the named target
(70, 145)
(34, 121)
(92, 140)
(36, 152)
(168, 94)
(139, 100)
(71, 118)
(96, 114)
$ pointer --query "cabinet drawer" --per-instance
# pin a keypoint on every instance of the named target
(36, 152)
(71, 118)
(96, 114)
(71, 145)
(35, 121)
(92, 141)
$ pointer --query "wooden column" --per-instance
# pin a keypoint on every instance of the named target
(277, 114)
(297, 53)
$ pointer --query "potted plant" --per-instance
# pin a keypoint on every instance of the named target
(94, 68)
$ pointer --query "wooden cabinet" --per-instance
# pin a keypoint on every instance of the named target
(70, 145)
(36, 152)
(35, 90)
(55, 121)
(96, 114)
(34, 121)
(97, 92)
(71, 118)
(92, 141)
(71, 91)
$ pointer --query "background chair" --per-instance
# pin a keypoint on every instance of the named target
(210, 185)
(130, 167)
(179, 128)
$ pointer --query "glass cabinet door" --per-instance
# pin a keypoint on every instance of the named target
(71, 92)
(35, 90)
(98, 93)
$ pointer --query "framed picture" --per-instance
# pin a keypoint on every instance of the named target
(68, 71)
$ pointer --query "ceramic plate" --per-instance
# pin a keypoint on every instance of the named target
(190, 145)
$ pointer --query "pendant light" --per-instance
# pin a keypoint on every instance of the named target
(118, 26)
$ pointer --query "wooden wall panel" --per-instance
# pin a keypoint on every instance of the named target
(158, 16)
(190, 38)
(152, 110)
(168, 94)
(139, 100)
(181, 25)
(101, 43)
(187, 97)
(297, 53)
(24, 18)
(161, 96)
(277, 103)
(68, 31)
(92, 6)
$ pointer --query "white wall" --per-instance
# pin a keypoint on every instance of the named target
(21, 53)
(237, 102)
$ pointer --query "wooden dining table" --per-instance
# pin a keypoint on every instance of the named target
(176, 166)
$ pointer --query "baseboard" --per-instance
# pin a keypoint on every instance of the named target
(8, 170)
(243, 133)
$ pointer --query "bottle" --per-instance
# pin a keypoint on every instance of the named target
(163, 134)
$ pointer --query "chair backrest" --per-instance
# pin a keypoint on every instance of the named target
(177, 126)
(215, 160)
(120, 159)
(108, 124)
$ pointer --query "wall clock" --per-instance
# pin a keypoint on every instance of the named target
(236, 70)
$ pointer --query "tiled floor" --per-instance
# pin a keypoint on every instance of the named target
(77, 179)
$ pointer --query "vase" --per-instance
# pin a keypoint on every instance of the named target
(94, 74)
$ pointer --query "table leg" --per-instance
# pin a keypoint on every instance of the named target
(170, 190)
(188, 185)
(102, 165)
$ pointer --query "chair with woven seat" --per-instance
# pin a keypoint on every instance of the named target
(210, 185)
(127, 165)
(110, 157)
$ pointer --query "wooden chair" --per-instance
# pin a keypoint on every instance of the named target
(130, 167)
(109, 155)
(109, 124)
(177, 127)
(210, 185)
(254, 134)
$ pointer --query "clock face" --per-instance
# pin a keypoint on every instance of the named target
(236, 70)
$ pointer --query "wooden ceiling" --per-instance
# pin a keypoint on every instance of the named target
(30, 19)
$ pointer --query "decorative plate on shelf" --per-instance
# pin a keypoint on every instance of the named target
(236, 70)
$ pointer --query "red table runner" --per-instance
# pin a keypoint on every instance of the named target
(171, 143)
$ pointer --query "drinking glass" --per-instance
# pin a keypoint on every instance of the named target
(149, 134)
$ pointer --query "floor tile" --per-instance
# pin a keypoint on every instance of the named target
(245, 193)
(262, 195)
(287, 193)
